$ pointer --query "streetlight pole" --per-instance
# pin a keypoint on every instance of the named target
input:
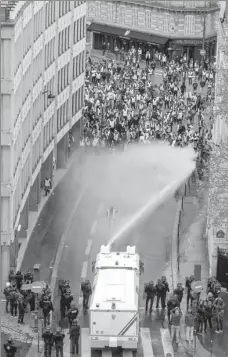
(203, 53)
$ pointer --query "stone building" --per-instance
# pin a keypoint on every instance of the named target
(177, 26)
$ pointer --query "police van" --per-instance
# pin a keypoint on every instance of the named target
(114, 310)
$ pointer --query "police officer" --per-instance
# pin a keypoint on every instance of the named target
(161, 293)
(172, 303)
(19, 279)
(48, 341)
(13, 297)
(9, 348)
(64, 287)
(74, 336)
(165, 283)
(179, 291)
(7, 292)
(86, 291)
(46, 306)
(58, 338)
(21, 309)
(72, 314)
(150, 294)
(11, 277)
(188, 282)
(28, 277)
(65, 302)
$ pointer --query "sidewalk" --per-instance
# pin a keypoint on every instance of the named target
(28, 341)
(34, 216)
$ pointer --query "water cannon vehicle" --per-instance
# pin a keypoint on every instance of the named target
(114, 304)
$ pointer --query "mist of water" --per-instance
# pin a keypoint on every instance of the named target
(138, 180)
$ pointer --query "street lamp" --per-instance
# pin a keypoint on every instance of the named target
(202, 51)
(50, 95)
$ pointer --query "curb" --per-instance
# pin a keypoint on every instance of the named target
(174, 256)
(20, 261)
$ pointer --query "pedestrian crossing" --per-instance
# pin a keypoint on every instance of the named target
(150, 345)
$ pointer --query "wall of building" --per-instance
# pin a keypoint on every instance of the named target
(172, 19)
(220, 135)
(42, 50)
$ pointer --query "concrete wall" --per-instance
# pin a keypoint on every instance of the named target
(40, 42)
(220, 137)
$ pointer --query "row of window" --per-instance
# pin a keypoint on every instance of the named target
(62, 115)
(48, 89)
(16, 202)
(48, 133)
(64, 7)
(27, 38)
(78, 65)
(49, 13)
(37, 110)
(17, 152)
(49, 53)
(77, 100)
(79, 29)
(25, 176)
(36, 153)
(64, 40)
(26, 130)
(38, 24)
(37, 67)
(63, 78)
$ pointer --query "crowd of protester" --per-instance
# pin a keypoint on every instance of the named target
(201, 315)
(124, 106)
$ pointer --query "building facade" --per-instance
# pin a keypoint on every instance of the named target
(42, 93)
(174, 25)
(217, 234)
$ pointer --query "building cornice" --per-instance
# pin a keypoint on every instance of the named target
(169, 8)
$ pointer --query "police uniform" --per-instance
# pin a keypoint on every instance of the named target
(58, 338)
(48, 341)
(65, 302)
(86, 291)
(72, 314)
(46, 306)
(21, 310)
(7, 292)
(150, 294)
(74, 337)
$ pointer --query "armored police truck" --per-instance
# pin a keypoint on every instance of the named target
(114, 311)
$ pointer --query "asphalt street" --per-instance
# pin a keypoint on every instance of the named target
(89, 229)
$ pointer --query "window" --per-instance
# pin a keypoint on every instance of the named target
(189, 27)
(190, 4)
(165, 23)
(75, 32)
(78, 30)
(135, 16)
